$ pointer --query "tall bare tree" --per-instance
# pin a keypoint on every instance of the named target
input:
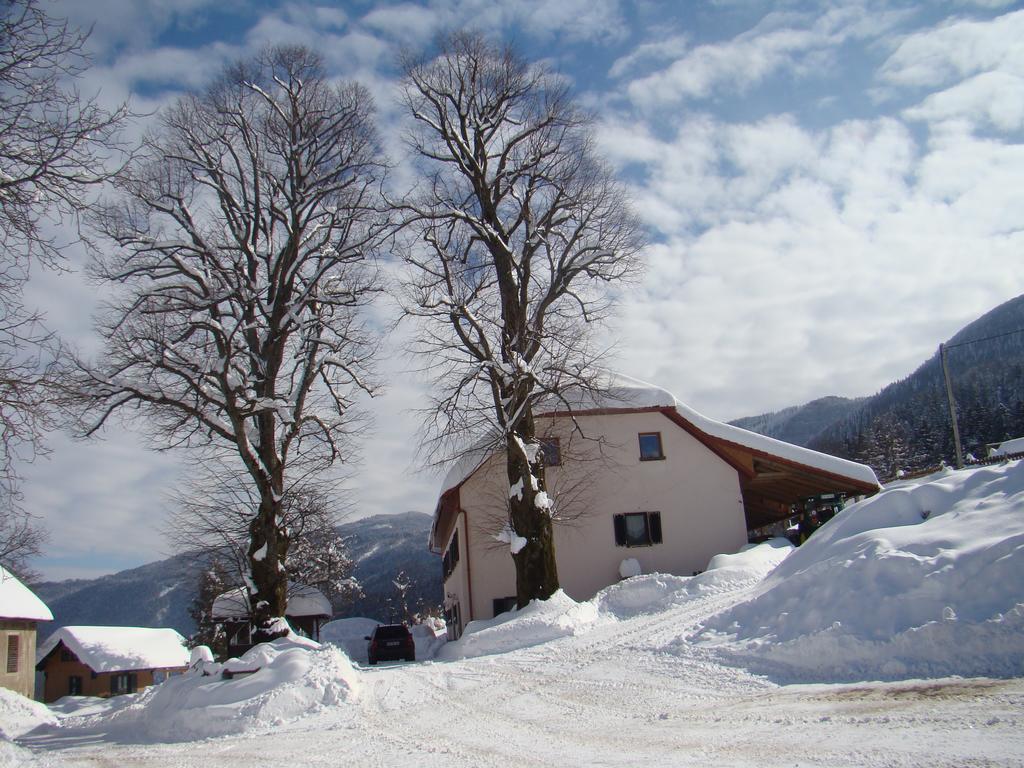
(522, 235)
(210, 523)
(54, 146)
(244, 243)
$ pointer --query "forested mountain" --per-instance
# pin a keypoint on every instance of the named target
(158, 594)
(906, 425)
(800, 424)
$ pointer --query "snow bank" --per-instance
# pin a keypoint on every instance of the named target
(539, 622)
(19, 715)
(659, 591)
(294, 676)
(349, 635)
(922, 580)
(429, 637)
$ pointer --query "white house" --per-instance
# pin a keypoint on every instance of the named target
(639, 477)
(20, 612)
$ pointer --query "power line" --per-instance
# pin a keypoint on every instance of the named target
(984, 338)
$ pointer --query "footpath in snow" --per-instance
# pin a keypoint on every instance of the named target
(893, 636)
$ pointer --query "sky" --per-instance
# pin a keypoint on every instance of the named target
(831, 189)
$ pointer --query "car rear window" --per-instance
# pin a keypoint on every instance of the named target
(391, 632)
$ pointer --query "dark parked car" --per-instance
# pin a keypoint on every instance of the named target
(391, 642)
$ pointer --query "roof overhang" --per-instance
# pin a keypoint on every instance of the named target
(444, 519)
(772, 484)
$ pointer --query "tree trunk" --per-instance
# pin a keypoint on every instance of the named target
(536, 570)
(268, 593)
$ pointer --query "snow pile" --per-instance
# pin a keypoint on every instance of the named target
(19, 715)
(658, 591)
(429, 637)
(110, 649)
(539, 622)
(921, 580)
(349, 635)
(292, 677)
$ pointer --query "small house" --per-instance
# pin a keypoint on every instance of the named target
(108, 661)
(20, 613)
(640, 482)
(308, 609)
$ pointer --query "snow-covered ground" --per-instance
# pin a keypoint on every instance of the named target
(845, 652)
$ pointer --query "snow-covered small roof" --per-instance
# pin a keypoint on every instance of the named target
(1008, 447)
(302, 601)
(18, 601)
(627, 393)
(116, 649)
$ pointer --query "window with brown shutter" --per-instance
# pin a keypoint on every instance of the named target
(13, 652)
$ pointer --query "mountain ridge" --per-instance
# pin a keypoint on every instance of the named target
(905, 425)
(158, 594)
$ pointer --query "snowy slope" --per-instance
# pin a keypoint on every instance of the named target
(924, 579)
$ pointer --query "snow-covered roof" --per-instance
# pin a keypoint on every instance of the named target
(625, 392)
(1008, 447)
(302, 601)
(115, 649)
(18, 601)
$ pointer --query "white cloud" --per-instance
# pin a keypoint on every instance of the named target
(798, 43)
(670, 48)
(797, 263)
(990, 98)
(958, 49)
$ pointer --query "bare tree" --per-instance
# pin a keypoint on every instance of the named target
(54, 146)
(213, 512)
(244, 242)
(522, 234)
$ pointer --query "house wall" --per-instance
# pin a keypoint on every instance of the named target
(696, 493)
(23, 679)
(456, 585)
(57, 672)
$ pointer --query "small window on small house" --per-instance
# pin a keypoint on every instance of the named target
(551, 450)
(123, 682)
(650, 446)
(13, 653)
(66, 655)
(504, 604)
(74, 685)
(637, 529)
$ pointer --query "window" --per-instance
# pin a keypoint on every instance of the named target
(13, 653)
(637, 529)
(74, 685)
(650, 446)
(551, 450)
(503, 604)
(451, 555)
(241, 636)
(123, 682)
(66, 655)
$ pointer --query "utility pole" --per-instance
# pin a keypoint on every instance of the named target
(952, 407)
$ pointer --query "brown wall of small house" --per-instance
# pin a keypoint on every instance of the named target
(57, 673)
(23, 680)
